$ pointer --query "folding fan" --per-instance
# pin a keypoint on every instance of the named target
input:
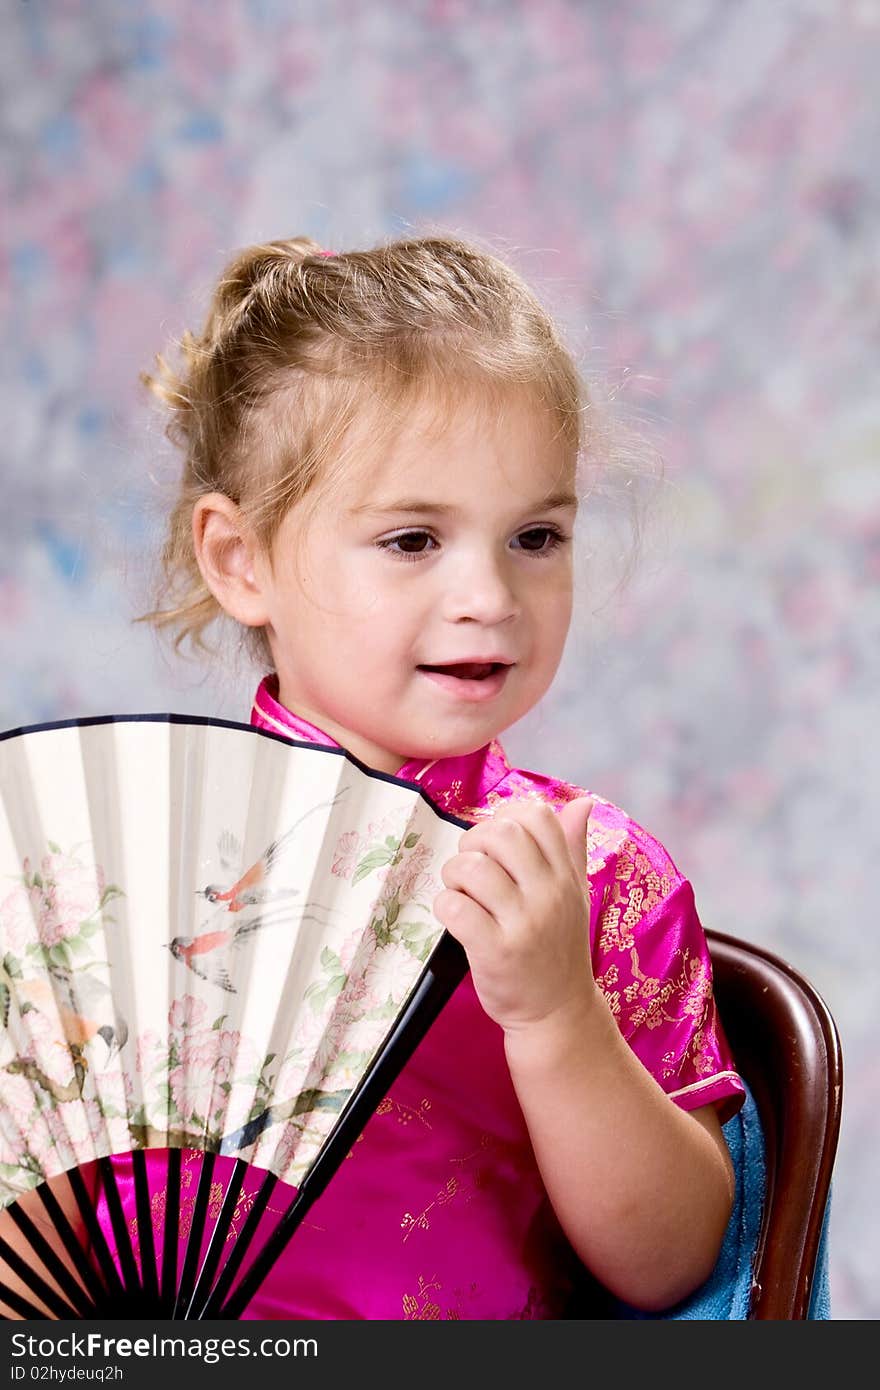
(217, 951)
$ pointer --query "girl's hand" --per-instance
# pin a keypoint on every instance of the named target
(517, 899)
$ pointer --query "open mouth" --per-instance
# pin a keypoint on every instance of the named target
(469, 671)
(471, 681)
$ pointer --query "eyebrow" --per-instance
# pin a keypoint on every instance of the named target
(551, 502)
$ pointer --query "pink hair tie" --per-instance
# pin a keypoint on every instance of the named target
(326, 253)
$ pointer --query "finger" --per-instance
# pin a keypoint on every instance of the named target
(484, 880)
(574, 818)
(544, 826)
(464, 919)
(511, 844)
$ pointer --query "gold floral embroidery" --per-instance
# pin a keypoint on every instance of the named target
(406, 1113)
(612, 937)
(704, 1062)
(687, 994)
(485, 1143)
(561, 794)
(609, 978)
(421, 1307)
(637, 889)
(465, 1186)
(602, 842)
(410, 1223)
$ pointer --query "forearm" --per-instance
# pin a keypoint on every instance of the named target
(641, 1188)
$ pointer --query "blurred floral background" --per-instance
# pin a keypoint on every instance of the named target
(692, 188)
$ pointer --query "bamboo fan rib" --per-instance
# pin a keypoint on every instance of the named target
(217, 951)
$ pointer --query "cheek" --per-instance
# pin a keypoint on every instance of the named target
(387, 591)
(368, 608)
(371, 602)
(345, 591)
(366, 621)
(553, 609)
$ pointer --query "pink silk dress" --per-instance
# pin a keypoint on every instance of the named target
(439, 1211)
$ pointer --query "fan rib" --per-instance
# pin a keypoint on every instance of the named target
(146, 1244)
(214, 1252)
(81, 1262)
(97, 1239)
(52, 1261)
(194, 1240)
(37, 1285)
(210, 1308)
(19, 1304)
(131, 1282)
(172, 1222)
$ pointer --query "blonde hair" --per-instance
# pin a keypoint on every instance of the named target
(296, 341)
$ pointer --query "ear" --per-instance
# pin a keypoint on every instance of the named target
(229, 559)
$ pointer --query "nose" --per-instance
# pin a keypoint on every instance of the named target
(481, 591)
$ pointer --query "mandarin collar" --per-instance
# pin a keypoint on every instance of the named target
(455, 783)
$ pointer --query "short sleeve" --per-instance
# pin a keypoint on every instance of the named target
(651, 960)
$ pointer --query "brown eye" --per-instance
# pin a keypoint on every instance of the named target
(541, 540)
(412, 545)
(414, 542)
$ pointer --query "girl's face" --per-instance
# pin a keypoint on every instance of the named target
(453, 547)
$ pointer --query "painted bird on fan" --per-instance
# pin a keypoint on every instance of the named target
(207, 953)
(251, 889)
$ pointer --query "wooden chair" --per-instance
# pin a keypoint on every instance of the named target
(787, 1048)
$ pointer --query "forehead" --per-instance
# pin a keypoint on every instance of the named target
(458, 446)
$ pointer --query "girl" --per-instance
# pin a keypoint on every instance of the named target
(379, 490)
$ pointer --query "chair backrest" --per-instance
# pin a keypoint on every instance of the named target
(787, 1048)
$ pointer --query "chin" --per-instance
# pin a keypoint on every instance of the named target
(459, 748)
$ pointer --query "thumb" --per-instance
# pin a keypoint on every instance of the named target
(574, 817)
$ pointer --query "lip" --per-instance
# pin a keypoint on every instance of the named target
(474, 691)
(478, 660)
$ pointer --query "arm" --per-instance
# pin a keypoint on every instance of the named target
(642, 1188)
